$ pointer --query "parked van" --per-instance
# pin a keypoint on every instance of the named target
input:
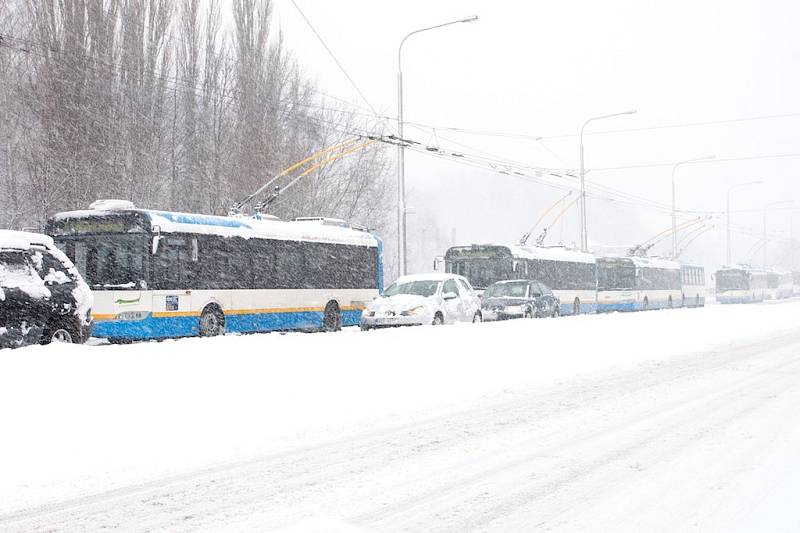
(42, 296)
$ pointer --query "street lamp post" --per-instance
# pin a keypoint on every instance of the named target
(674, 222)
(584, 234)
(402, 259)
(728, 218)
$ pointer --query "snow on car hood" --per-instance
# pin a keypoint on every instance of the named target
(399, 303)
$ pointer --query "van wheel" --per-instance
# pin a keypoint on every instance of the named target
(212, 322)
(438, 319)
(60, 331)
(333, 318)
(576, 307)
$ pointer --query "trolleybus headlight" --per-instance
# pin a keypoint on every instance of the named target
(415, 311)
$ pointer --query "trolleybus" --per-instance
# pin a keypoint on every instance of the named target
(637, 283)
(740, 284)
(568, 273)
(158, 274)
(693, 286)
(779, 285)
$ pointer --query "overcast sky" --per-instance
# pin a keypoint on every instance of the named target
(542, 69)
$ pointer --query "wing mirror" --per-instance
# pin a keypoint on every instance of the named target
(156, 239)
(449, 296)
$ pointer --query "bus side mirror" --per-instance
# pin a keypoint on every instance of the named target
(156, 238)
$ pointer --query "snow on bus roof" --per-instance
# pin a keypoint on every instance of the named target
(23, 240)
(743, 268)
(237, 226)
(646, 262)
(553, 253)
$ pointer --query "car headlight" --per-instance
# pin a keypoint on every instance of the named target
(414, 311)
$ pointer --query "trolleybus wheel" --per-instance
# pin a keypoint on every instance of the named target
(333, 318)
(576, 307)
(669, 302)
(646, 303)
(212, 322)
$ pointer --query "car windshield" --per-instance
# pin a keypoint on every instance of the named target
(514, 289)
(14, 269)
(418, 288)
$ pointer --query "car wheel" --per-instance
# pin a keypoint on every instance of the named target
(477, 317)
(528, 313)
(438, 319)
(60, 332)
(212, 322)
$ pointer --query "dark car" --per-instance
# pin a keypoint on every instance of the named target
(42, 296)
(519, 298)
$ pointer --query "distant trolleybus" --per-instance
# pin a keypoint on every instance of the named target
(693, 286)
(568, 273)
(740, 284)
(637, 283)
(779, 285)
(158, 274)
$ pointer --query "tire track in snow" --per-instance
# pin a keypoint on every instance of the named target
(192, 499)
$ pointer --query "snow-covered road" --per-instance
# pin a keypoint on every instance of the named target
(660, 421)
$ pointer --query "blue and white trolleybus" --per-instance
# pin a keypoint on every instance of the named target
(158, 274)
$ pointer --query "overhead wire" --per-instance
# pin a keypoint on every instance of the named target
(333, 56)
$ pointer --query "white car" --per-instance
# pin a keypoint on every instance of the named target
(423, 299)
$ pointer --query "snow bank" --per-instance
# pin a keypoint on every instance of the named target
(78, 419)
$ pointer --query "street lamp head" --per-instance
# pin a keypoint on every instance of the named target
(629, 112)
(473, 18)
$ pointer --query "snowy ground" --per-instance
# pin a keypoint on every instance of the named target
(657, 421)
